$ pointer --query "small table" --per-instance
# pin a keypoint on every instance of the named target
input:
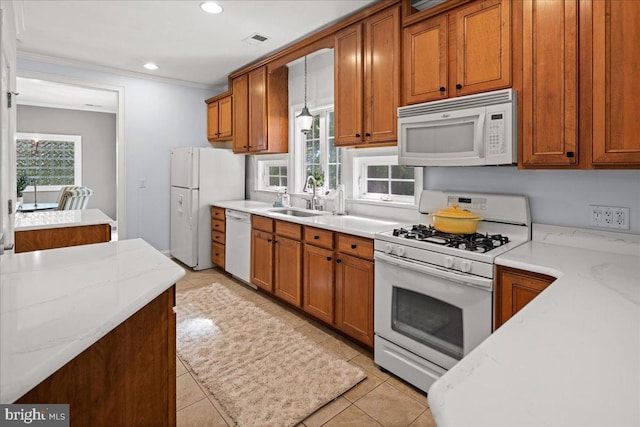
(31, 207)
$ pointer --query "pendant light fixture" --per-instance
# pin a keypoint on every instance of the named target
(305, 119)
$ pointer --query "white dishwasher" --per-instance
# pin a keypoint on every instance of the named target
(238, 244)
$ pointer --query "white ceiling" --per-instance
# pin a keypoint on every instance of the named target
(43, 93)
(186, 43)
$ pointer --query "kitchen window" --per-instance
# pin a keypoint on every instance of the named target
(51, 161)
(381, 179)
(319, 156)
(272, 174)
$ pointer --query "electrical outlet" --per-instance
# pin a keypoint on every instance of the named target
(609, 217)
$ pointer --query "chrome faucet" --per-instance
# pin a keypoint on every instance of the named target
(312, 203)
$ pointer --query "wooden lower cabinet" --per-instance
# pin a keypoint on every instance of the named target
(288, 270)
(218, 237)
(262, 259)
(318, 293)
(51, 238)
(127, 378)
(354, 297)
(515, 289)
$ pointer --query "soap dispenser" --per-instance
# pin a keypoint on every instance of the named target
(286, 202)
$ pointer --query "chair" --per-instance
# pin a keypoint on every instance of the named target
(64, 190)
(75, 199)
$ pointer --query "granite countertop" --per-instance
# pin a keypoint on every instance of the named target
(56, 303)
(40, 220)
(357, 225)
(571, 357)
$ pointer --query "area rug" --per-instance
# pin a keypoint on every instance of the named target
(261, 370)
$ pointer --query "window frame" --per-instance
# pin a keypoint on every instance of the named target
(300, 151)
(262, 172)
(77, 156)
(360, 165)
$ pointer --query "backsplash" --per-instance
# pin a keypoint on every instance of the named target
(556, 197)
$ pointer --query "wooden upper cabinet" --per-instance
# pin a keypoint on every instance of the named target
(212, 121)
(425, 60)
(483, 47)
(258, 109)
(382, 76)
(224, 118)
(367, 80)
(348, 90)
(240, 116)
(464, 51)
(616, 104)
(550, 83)
(219, 119)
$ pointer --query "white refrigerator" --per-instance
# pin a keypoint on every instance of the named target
(199, 177)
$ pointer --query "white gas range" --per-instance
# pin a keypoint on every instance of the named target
(434, 290)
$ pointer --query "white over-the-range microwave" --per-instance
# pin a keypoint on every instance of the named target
(473, 130)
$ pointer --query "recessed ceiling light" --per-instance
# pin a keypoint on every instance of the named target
(150, 66)
(211, 7)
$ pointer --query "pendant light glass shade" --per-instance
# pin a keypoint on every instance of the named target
(305, 119)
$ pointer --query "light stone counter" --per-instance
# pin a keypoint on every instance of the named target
(351, 224)
(571, 357)
(56, 303)
(40, 220)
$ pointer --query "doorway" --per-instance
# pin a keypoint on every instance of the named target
(53, 104)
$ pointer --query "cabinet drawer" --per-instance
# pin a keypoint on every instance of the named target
(217, 254)
(217, 213)
(262, 223)
(217, 237)
(357, 246)
(318, 237)
(218, 226)
(289, 229)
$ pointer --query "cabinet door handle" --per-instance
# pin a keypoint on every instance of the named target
(338, 261)
(216, 237)
(570, 154)
(328, 258)
(442, 89)
(458, 86)
(275, 241)
(353, 246)
(367, 134)
(269, 240)
(244, 146)
(357, 135)
(316, 237)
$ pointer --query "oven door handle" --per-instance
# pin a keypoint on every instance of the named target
(478, 282)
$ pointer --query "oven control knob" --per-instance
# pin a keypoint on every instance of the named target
(466, 266)
(388, 248)
(400, 251)
(448, 262)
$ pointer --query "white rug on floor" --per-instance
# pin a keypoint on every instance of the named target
(261, 370)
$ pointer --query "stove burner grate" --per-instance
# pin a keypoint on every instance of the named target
(475, 242)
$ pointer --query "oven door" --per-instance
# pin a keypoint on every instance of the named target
(435, 313)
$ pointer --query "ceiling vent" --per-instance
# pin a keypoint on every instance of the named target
(256, 39)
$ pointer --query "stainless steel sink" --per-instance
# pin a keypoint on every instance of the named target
(294, 212)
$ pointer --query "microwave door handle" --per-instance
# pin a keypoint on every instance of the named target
(482, 131)
(478, 282)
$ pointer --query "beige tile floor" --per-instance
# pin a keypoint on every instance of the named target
(380, 400)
